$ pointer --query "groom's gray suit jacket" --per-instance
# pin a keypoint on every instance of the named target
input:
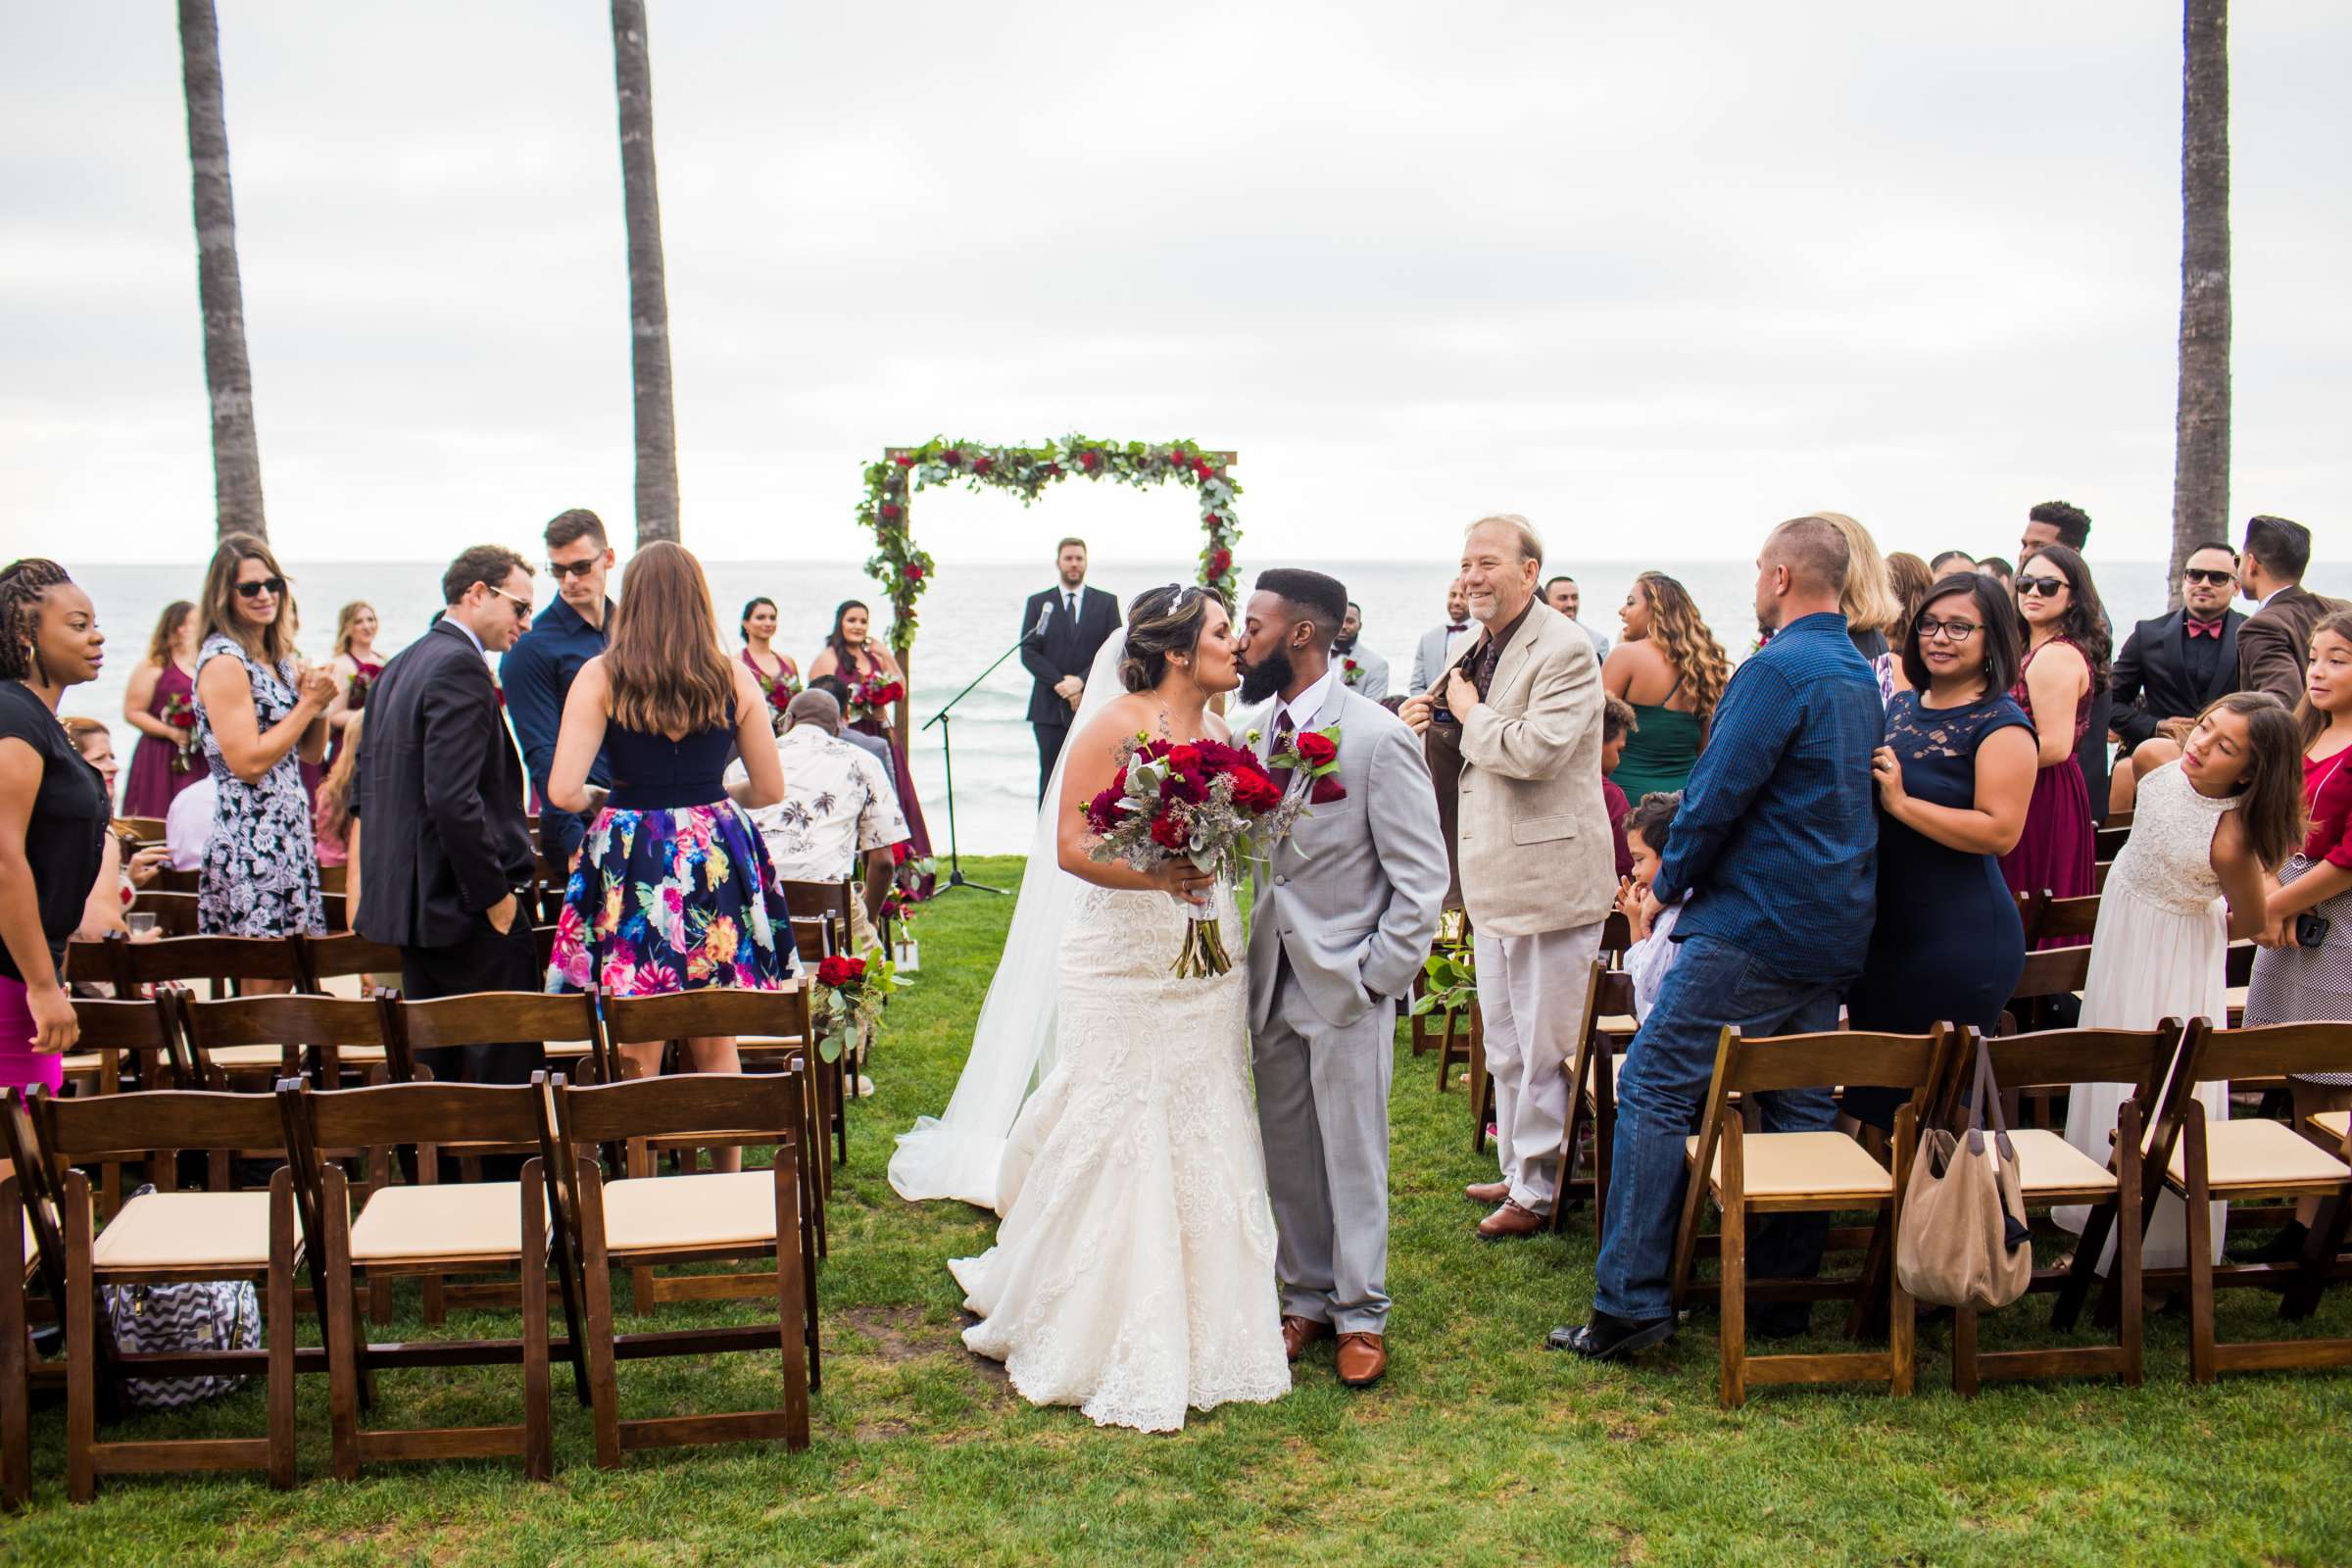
(1352, 895)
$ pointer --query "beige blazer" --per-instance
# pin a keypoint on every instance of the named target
(1535, 850)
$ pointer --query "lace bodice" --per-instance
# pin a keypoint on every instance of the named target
(2167, 861)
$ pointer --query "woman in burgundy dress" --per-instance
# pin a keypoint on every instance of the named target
(2065, 669)
(355, 668)
(853, 657)
(160, 704)
(778, 676)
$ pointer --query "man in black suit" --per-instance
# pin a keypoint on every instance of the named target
(2171, 667)
(1062, 628)
(446, 865)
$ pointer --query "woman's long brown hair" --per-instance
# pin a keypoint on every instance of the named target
(663, 661)
(2311, 721)
(166, 628)
(275, 644)
(2270, 799)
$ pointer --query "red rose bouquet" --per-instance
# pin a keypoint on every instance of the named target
(180, 714)
(872, 698)
(855, 990)
(1199, 801)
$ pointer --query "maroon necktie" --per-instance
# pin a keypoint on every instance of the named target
(1284, 730)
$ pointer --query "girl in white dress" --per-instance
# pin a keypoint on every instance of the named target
(2187, 883)
(1133, 1274)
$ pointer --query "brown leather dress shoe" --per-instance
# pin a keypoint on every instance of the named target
(1362, 1359)
(1510, 1223)
(1298, 1332)
(1486, 1194)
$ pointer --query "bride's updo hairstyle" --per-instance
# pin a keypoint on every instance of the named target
(1161, 621)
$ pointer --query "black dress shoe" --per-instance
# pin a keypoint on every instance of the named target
(1607, 1336)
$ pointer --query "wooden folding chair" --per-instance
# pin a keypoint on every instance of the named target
(165, 1238)
(1803, 1172)
(822, 901)
(16, 1371)
(775, 1018)
(340, 964)
(186, 959)
(2057, 972)
(2051, 1171)
(645, 1220)
(1592, 1077)
(431, 1230)
(113, 1033)
(2258, 1158)
(566, 1025)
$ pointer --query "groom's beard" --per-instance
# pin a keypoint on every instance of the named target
(1262, 678)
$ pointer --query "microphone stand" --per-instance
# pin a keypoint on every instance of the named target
(947, 752)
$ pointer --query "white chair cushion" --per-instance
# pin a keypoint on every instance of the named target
(2047, 1164)
(187, 1230)
(654, 1212)
(2334, 1123)
(246, 1056)
(2256, 1154)
(455, 1219)
(1803, 1165)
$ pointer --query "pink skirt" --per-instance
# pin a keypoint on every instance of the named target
(21, 1066)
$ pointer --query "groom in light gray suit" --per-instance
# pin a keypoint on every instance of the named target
(1339, 921)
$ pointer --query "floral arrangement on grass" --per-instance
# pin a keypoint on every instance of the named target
(903, 571)
(854, 991)
(1204, 802)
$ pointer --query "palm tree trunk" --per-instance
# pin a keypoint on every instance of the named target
(227, 373)
(648, 294)
(2201, 429)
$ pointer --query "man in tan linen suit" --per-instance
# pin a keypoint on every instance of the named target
(1537, 865)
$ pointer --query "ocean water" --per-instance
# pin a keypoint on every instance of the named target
(970, 615)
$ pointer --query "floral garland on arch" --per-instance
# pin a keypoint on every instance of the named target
(904, 572)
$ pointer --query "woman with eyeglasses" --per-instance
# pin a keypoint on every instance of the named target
(1954, 779)
(260, 712)
(2062, 674)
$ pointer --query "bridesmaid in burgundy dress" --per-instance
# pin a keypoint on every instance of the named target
(779, 678)
(160, 704)
(355, 668)
(2064, 670)
(855, 659)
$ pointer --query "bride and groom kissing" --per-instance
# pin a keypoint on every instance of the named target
(1166, 1244)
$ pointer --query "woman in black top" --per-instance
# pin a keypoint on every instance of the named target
(53, 814)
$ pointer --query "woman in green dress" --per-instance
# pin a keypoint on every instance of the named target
(1671, 670)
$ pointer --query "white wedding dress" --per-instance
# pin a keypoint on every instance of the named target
(1133, 1275)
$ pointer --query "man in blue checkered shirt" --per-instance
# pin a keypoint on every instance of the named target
(1777, 844)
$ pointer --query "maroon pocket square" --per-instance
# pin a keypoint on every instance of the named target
(1326, 791)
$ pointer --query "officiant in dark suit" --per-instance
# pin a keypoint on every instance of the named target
(446, 863)
(2171, 668)
(1062, 628)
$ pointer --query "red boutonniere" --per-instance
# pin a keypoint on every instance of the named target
(1315, 754)
(1349, 672)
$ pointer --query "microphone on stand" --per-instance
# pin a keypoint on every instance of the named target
(1044, 616)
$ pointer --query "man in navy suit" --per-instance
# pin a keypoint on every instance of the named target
(1062, 628)
(2171, 667)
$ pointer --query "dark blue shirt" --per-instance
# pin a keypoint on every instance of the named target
(1777, 839)
(536, 673)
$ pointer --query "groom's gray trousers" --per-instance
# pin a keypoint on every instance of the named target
(1323, 1112)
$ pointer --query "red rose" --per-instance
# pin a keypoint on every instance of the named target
(1254, 792)
(1316, 750)
(1053, 469)
(983, 465)
(1168, 833)
(889, 512)
(1102, 811)
(836, 971)
(1090, 461)
(1185, 759)
(951, 457)
(904, 459)
(1220, 563)
(914, 572)
(1326, 791)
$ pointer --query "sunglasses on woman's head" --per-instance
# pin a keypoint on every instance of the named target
(2040, 587)
(273, 586)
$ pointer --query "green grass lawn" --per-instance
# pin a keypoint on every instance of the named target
(1480, 1447)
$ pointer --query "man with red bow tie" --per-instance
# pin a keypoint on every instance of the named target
(2171, 667)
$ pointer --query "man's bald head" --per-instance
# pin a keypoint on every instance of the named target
(814, 707)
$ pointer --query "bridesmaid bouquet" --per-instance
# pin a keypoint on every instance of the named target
(1199, 801)
(872, 698)
(180, 714)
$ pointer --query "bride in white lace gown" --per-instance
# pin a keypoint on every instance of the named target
(1133, 1274)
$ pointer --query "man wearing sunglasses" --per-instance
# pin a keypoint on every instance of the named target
(2171, 668)
(537, 672)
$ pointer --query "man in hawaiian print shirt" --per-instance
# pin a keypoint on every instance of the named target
(836, 800)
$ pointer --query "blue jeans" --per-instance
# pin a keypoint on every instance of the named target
(1659, 1098)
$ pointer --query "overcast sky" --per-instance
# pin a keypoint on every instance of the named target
(1654, 275)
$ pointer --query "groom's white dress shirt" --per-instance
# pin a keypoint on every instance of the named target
(1303, 707)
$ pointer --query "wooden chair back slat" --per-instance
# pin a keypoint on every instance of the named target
(815, 938)
(344, 954)
(2269, 1051)
(92, 963)
(289, 1019)
(812, 901)
(176, 914)
(171, 879)
(184, 959)
(490, 1018)
(2067, 917)
(1824, 1060)
(146, 829)
(2054, 972)
(95, 1126)
(142, 1025)
(2054, 1057)
(385, 1114)
(727, 1011)
(680, 1104)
